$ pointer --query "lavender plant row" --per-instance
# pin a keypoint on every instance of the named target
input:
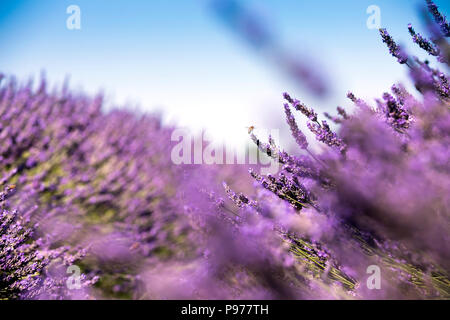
(89, 180)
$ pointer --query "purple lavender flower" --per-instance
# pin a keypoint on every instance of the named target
(286, 188)
(309, 113)
(324, 134)
(25, 262)
(252, 28)
(394, 49)
(439, 18)
(424, 43)
(428, 79)
(296, 132)
(386, 193)
(358, 102)
(395, 113)
(240, 199)
(342, 115)
(80, 171)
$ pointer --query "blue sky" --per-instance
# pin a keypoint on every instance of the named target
(176, 57)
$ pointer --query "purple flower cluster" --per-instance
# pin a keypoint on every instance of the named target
(394, 49)
(424, 43)
(425, 77)
(382, 200)
(19, 263)
(300, 138)
(27, 265)
(83, 177)
(439, 18)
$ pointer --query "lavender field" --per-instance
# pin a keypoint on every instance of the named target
(93, 205)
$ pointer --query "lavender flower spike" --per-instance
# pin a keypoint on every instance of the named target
(439, 18)
(394, 49)
(423, 43)
(296, 132)
(301, 107)
(324, 134)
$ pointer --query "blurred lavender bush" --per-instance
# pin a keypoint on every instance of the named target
(99, 181)
(377, 194)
